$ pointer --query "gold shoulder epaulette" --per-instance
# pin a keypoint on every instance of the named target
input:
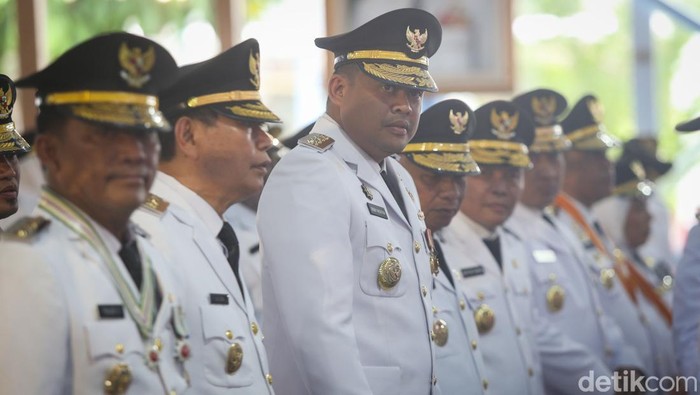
(155, 204)
(317, 141)
(27, 227)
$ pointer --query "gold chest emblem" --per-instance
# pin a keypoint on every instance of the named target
(555, 298)
(416, 39)
(440, 332)
(136, 64)
(389, 273)
(234, 359)
(485, 318)
(607, 278)
(118, 379)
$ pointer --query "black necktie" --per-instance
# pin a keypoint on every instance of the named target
(394, 189)
(441, 261)
(549, 220)
(230, 241)
(494, 246)
(129, 253)
(598, 228)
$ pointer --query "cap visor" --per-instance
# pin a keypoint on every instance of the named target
(252, 111)
(447, 162)
(400, 74)
(130, 116)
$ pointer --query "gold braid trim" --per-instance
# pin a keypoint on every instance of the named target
(130, 115)
(401, 74)
(254, 110)
(447, 161)
(492, 152)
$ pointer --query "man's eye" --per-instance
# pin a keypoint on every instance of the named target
(388, 88)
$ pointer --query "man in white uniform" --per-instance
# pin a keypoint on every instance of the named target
(589, 178)
(12, 145)
(216, 156)
(563, 290)
(346, 279)
(89, 306)
(438, 159)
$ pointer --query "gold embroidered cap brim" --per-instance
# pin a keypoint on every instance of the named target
(550, 139)
(635, 189)
(408, 75)
(494, 152)
(135, 116)
(592, 138)
(447, 162)
(11, 141)
(254, 111)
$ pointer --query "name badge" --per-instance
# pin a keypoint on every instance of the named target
(377, 211)
(544, 256)
(218, 299)
(472, 271)
(110, 310)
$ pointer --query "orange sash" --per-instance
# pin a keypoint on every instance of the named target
(630, 277)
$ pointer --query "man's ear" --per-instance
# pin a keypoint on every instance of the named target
(185, 136)
(337, 88)
(46, 148)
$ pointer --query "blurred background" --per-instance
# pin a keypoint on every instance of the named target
(640, 57)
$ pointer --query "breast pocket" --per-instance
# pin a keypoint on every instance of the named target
(227, 351)
(113, 339)
(384, 268)
(484, 301)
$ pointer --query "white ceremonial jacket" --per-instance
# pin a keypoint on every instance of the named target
(218, 316)
(460, 361)
(53, 338)
(510, 354)
(327, 224)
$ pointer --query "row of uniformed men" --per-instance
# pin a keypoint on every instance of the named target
(524, 304)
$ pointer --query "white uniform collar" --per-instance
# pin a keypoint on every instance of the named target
(462, 220)
(330, 128)
(201, 209)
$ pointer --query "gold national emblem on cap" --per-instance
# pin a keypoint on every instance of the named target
(6, 101)
(389, 273)
(543, 108)
(136, 64)
(416, 39)
(503, 124)
(596, 110)
(254, 64)
(458, 121)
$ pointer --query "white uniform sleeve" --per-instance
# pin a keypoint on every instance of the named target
(686, 307)
(34, 329)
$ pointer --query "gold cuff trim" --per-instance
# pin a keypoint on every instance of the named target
(412, 76)
(61, 98)
(437, 147)
(493, 152)
(452, 162)
(223, 97)
(381, 55)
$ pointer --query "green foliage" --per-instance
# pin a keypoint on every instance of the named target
(98, 16)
